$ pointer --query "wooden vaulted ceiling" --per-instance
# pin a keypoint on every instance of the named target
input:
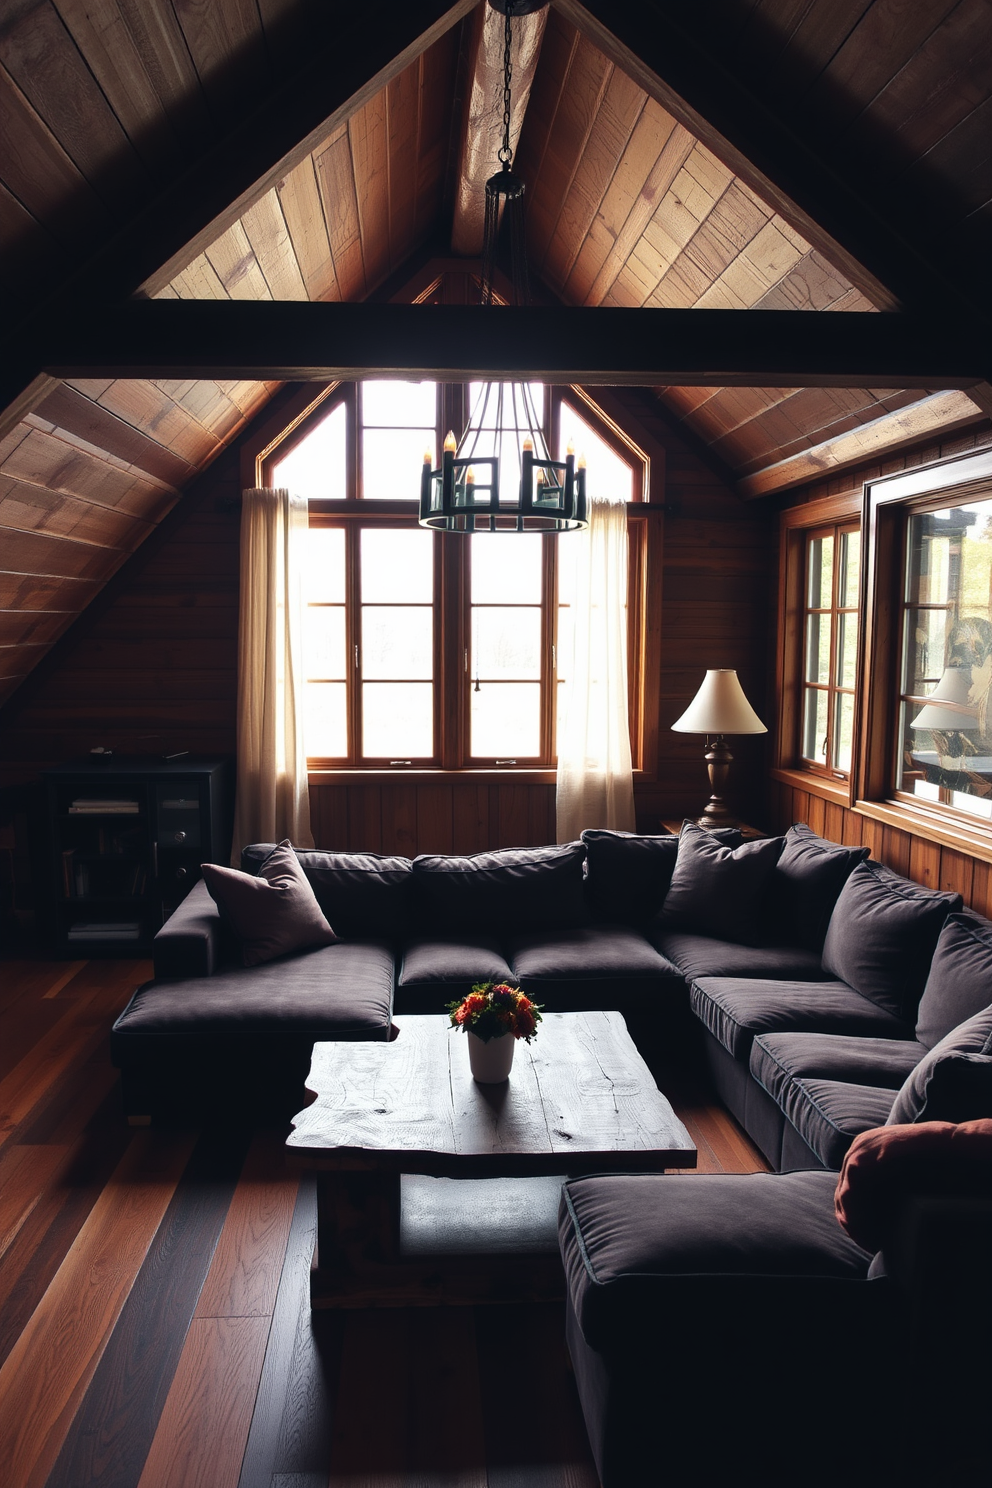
(813, 155)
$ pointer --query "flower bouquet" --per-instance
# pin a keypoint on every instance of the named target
(490, 1012)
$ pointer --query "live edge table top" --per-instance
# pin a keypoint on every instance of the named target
(579, 1099)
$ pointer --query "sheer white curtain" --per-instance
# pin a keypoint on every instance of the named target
(273, 799)
(595, 785)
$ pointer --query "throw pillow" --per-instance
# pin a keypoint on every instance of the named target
(628, 873)
(363, 895)
(889, 1164)
(882, 934)
(273, 912)
(804, 886)
(716, 890)
(960, 980)
(954, 1081)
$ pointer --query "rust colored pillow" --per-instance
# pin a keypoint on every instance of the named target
(889, 1164)
(272, 913)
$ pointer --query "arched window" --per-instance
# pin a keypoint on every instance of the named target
(425, 649)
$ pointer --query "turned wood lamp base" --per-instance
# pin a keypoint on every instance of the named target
(718, 758)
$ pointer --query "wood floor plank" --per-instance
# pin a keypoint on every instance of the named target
(46, 1373)
(200, 1441)
(24, 1172)
(243, 1280)
(291, 1425)
(113, 1429)
(63, 981)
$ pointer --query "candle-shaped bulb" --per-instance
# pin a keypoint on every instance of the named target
(470, 476)
(540, 477)
(428, 457)
(582, 462)
(450, 443)
(529, 445)
(571, 448)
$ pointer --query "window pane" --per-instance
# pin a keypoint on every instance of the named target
(507, 570)
(326, 721)
(506, 643)
(397, 566)
(323, 565)
(393, 460)
(847, 649)
(506, 720)
(324, 642)
(850, 557)
(389, 404)
(821, 570)
(397, 642)
(815, 726)
(316, 468)
(818, 649)
(947, 742)
(843, 732)
(510, 412)
(563, 646)
(398, 720)
(606, 474)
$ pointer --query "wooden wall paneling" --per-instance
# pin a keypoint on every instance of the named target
(336, 181)
(402, 101)
(299, 198)
(549, 94)
(70, 410)
(227, 49)
(896, 850)
(328, 816)
(981, 889)
(957, 873)
(435, 818)
(198, 281)
(398, 806)
(30, 508)
(41, 175)
(437, 85)
(925, 862)
(471, 816)
(53, 462)
(365, 824)
(42, 553)
(266, 231)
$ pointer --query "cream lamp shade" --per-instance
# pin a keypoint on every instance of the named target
(948, 706)
(720, 707)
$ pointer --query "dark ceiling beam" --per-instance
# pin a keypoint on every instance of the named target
(291, 341)
(834, 203)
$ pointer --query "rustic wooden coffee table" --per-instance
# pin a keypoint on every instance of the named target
(580, 1099)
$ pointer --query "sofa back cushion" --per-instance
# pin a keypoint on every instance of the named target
(361, 894)
(718, 890)
(514, 888)
(804, 886)
(272, 912)
(628, 873)
(954, 1081)
(960, 980)
(882, 934)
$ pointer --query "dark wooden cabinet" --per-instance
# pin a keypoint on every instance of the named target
(127, 839)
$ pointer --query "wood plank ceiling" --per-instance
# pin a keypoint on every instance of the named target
(101, 101)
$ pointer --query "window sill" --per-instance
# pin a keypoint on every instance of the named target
(975, 841)
(434, 775)
(838, 791)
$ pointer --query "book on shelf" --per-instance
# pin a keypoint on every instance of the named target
(105, 930)
(68, 873)
(181, 803)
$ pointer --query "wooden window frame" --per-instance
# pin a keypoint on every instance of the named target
(796, 526)
(888, 503)
(282, 431)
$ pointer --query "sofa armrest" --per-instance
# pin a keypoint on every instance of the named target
(190, 943)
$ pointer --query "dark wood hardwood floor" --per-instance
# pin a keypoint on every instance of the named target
(154, 1322)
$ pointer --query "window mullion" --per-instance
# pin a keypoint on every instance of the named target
(353, 631)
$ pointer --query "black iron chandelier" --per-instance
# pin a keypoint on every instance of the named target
(500, 477)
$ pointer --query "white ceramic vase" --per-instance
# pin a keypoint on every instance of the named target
(490, 1062)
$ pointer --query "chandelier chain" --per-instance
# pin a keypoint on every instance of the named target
(505, 154)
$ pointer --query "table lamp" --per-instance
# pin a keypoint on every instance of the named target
(719, 708)
(949, 712)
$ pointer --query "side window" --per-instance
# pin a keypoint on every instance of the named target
(830, 646)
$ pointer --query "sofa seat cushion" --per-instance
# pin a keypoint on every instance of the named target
(598, 966)
(633, 1243)
(737, 1009)
(882, 935)
(829, 1114)
(341, 991)
(442, 968)
(704, 956)
(778, 1059)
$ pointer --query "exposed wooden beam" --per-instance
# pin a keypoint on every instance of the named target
(481, 123)
(834, 203)
(942, 412)
(290, 341)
